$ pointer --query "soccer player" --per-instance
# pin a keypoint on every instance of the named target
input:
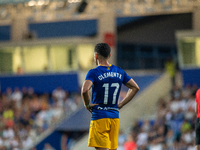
(105, 80)
(197, 126)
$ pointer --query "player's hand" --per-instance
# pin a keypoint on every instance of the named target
(90, 106)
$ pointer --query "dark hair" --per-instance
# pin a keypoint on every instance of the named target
(102, 49)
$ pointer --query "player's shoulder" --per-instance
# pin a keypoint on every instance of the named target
(118, 68)
(93, 70)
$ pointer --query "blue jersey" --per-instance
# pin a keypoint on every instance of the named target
(107, 81)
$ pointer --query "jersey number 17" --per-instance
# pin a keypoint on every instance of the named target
(106, 93)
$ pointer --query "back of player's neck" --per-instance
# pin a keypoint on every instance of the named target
(103, 63)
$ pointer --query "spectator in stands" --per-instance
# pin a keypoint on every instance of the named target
(170, 138)
(178, 116)
(186, 91)
(189, 114)
(25, 118)
(2, 124)
(151, 135)
(15, 143)
(176, 92)
(31, 133)
(46, 69)
(155, 145)
(34, 104)
(170, 67)
(191, 102)
(191, 146)
(176, 131)
(24, 92)
(161, 135)
(8, 133)
(24, 115)
(20, 70)
(69, 104)
(59, 96)
(135, 127)
(187, 137)
(27, 142)
(121, 140)
(9, 93)
(194, 89)
(142, 138)
(186, 126)
(17, 97)
(57, 112)
(161, 109)
(31, 93)
(175, 106)
(130, 143)
(78, 100)
(44, 104)
(8, 116)
(146, 126)
(47, 146)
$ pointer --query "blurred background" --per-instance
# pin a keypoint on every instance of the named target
(46, 49)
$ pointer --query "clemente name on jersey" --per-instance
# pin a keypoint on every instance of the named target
(109, 74)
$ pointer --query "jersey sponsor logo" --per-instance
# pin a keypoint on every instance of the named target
(109, 74)
(107, 108)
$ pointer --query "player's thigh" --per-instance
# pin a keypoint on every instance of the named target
(114, 132)
(99, 133)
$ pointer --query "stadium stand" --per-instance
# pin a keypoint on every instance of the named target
(173, 127)
(26, 114)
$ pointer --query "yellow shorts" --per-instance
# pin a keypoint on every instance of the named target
(104, 133)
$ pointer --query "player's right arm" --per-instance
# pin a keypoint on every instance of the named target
(86, 96)
(133, 89)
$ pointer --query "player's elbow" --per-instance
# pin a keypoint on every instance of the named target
(136, 88)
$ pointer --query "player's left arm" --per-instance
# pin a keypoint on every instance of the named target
(133, 89)
(86, 96)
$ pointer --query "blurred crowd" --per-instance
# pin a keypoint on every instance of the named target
(173, 128)
(24, 114)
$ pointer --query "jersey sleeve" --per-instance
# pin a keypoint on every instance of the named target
(90, 76)
(126, 78)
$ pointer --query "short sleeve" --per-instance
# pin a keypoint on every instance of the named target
(126, 78)
(90, 75)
